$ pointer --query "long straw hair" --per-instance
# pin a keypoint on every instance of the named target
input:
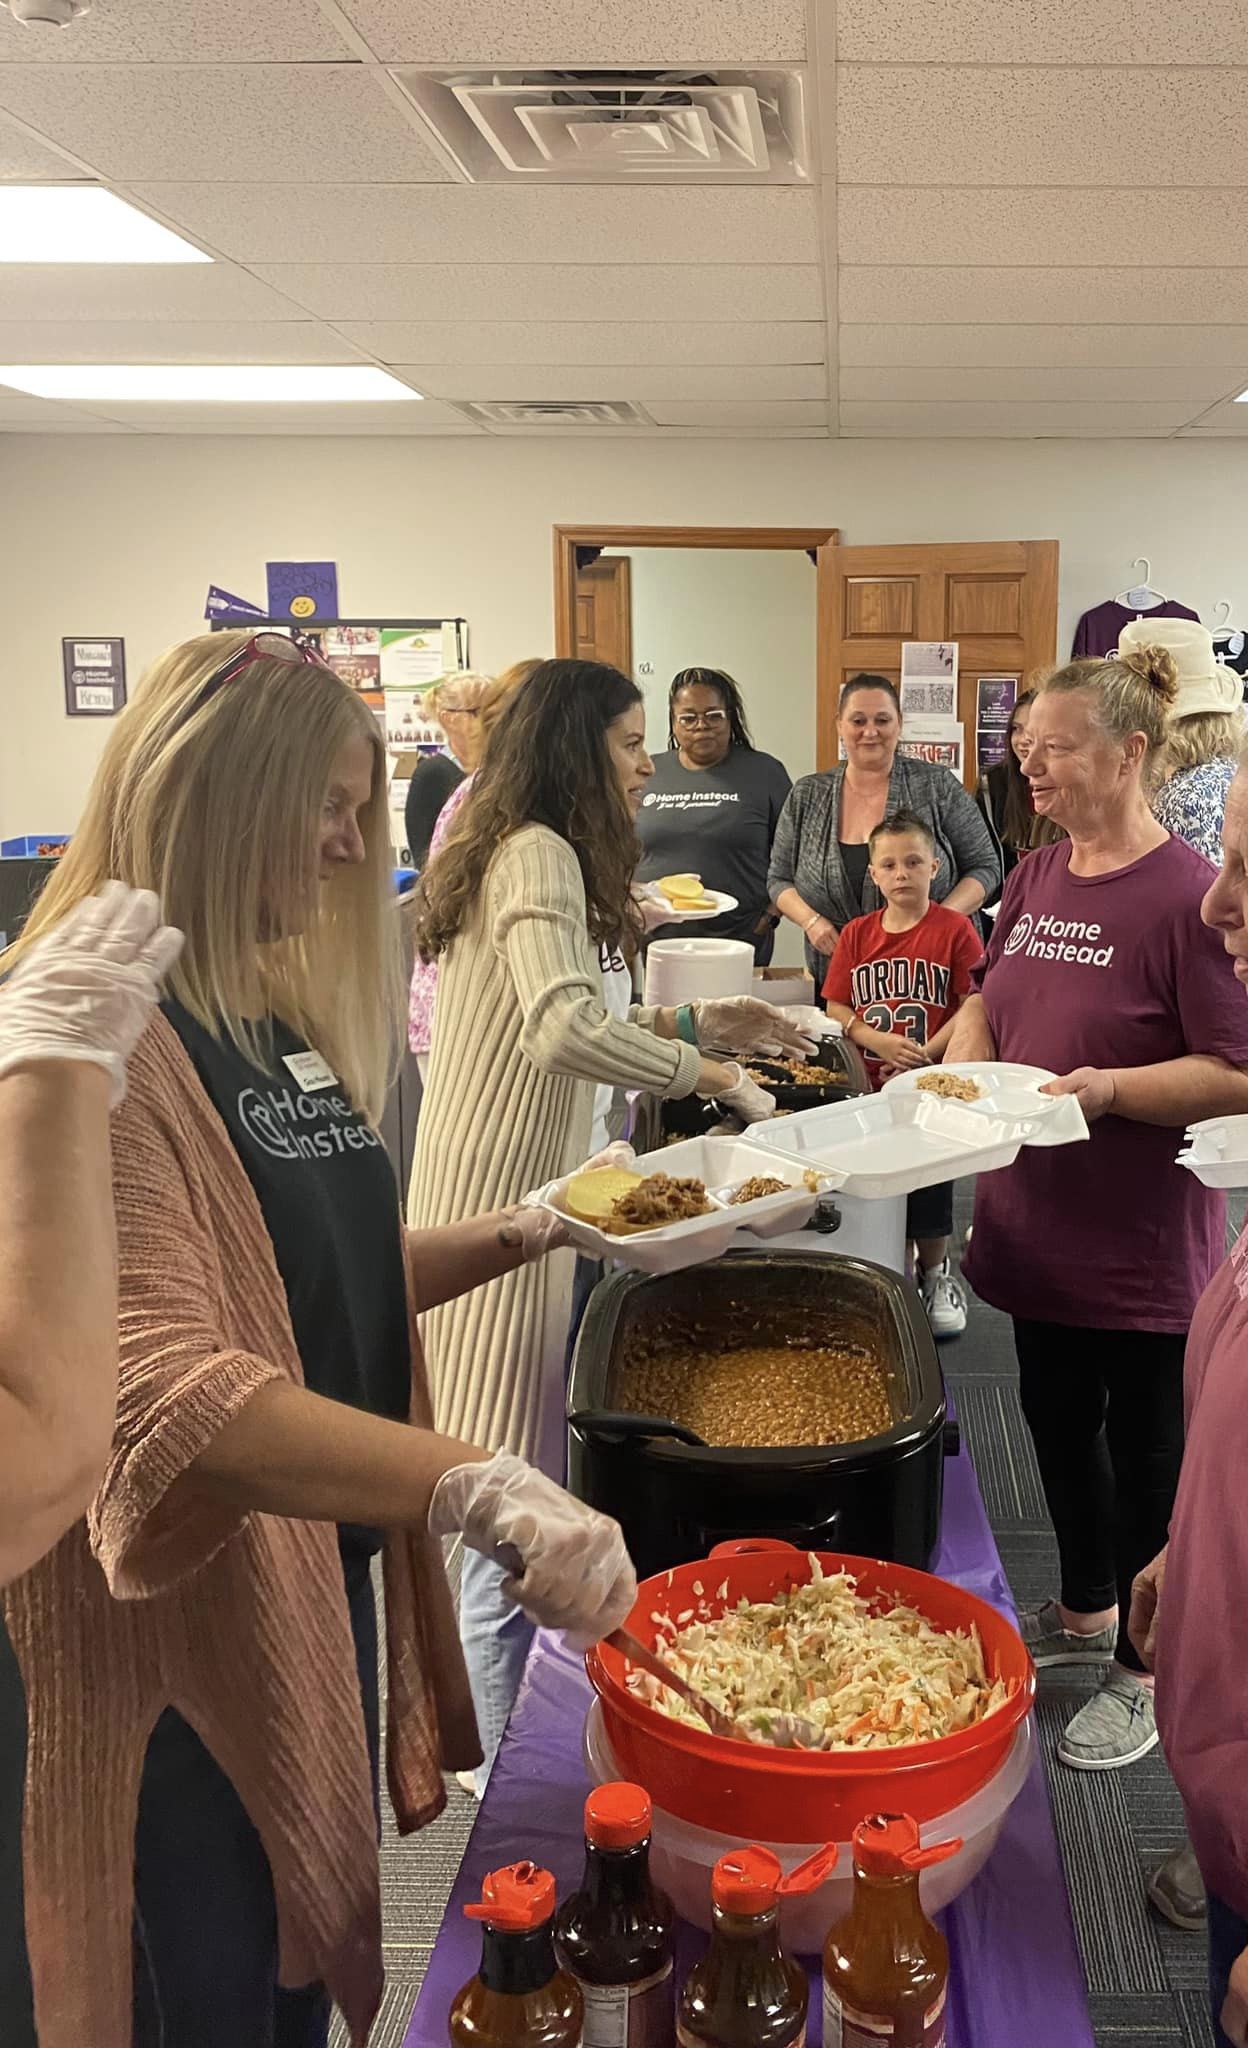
(214, 800)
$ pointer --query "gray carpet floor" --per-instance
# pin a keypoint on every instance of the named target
(1146, 1981)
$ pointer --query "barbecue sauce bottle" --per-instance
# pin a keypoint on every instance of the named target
(520, 1998)
(745, 1993)
(616, 1935)
(885, 1967)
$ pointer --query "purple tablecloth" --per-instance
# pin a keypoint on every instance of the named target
(1015, 1975)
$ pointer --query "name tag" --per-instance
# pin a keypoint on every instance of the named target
(309, 1071)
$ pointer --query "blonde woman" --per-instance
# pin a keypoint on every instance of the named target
(200, 1653)
(455, 701)
(424, 987)
(1204, 734)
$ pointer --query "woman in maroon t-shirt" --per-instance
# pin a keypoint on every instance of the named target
(1100, 969)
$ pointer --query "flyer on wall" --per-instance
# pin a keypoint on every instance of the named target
(995, 697)
(941, 742)
(929, 679)
(410, 657)
(408, 725)
(354, 653)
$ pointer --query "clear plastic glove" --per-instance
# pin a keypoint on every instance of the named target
(746, 1099)
(537, 1231)
(569, 1568)
(87, 989)
(620, 1153)
(812, 1024)
(746, 1024)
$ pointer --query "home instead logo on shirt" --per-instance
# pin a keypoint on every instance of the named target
(1058, 938)
(687, 799)
(290, 1125)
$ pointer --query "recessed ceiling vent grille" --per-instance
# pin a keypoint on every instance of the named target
(613, 126)
(538, 412)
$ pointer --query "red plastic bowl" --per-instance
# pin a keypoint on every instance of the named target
(756, 1793)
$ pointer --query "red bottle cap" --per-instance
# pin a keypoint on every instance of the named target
(751, 1880)
(618, 1816)
(888, 1845)
(516, 1900)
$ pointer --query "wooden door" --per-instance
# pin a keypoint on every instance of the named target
(604, 612)
(997, 599)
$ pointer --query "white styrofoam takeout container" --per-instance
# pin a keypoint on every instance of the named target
(722, 1165)
(1011, 1094)
(1216, 1151)
(876, 1146)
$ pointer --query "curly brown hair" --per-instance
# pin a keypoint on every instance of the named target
(547, 763)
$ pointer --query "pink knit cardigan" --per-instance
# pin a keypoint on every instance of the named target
(165, 1597)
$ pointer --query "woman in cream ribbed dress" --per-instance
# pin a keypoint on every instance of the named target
(532, 885)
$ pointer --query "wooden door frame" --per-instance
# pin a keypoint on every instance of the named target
(821, 540)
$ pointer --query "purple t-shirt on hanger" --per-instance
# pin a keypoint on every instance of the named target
(1112, 970)
(1098, 630)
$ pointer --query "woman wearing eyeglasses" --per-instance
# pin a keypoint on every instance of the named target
(713, 807)
(456, 703)
(200, 1651)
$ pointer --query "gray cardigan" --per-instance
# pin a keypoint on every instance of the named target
(806, 856)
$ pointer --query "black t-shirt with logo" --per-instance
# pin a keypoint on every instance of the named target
(718, 823)
(328, 1196)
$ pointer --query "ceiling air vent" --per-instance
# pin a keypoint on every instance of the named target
(539, 412)
(609, 126)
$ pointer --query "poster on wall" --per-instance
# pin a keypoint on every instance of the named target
(354, 653)
(408, 726)
(95, 677)
(929, 678)
(994, 708)
(941, 742)
(302, 590)
(411, 658)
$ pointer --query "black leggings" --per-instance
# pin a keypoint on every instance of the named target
(1105, 1411)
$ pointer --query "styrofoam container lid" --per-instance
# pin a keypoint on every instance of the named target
(694, 969)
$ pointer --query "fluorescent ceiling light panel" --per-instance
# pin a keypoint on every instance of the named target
(1242, 399)
(83, 224)
(192, 383)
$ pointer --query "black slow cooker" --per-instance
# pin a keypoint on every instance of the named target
(676, 1496)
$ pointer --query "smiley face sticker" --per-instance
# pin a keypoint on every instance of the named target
(302, 607)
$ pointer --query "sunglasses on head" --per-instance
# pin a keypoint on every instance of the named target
(287, 647)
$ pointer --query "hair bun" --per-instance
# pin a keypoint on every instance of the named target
(1154, 666)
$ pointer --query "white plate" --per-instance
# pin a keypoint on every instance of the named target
(1217, 1151)
(723, 903)
(877, 1146)
(1011, 1094)
(722, 1164)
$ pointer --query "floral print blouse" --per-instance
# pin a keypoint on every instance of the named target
(1191, 805)
(425, 972)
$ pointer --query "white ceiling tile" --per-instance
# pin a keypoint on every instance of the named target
(531, 291)
(1030, 382)
(19, 410)
(272, 123)
(544, 381)
(658, 34)
(880, 224)
(791, 413)
(181, 32)
(582, 342)
(916, 346)
(1021, 419)
(657, 433)
(79, 425)
(161, 341)
(22, 159)
(934, 125)
(1223, 419)
(138, 291)
(1019, 294)
(492, 223)
(1041, 32)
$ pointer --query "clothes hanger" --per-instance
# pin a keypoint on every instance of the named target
(1222, 628)
(1141, 596)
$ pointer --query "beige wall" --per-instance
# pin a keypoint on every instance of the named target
(116, 534)
(749, 611)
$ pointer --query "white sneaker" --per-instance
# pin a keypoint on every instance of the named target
(943, 1299)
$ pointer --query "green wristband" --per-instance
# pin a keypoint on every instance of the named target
(684, 1024)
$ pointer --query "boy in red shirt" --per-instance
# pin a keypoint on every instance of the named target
(896, 982)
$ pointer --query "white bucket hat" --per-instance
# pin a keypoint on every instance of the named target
(1204, 684)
